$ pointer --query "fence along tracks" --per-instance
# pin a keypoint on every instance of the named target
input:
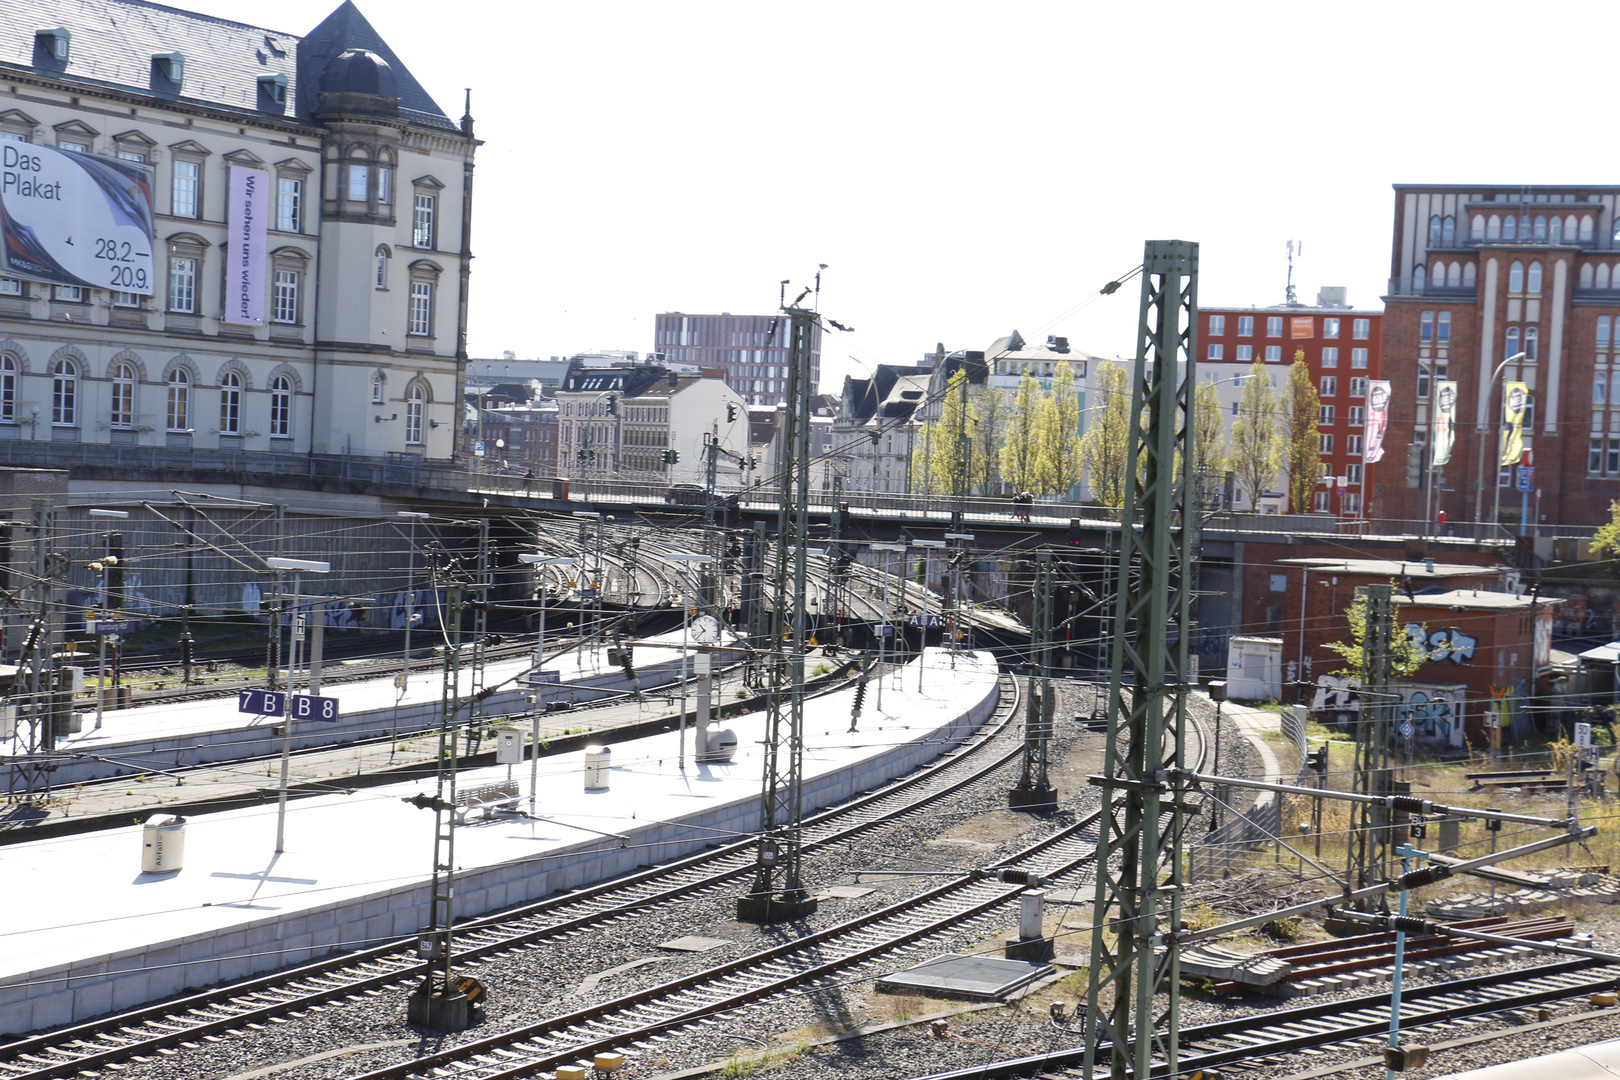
(229, 1010)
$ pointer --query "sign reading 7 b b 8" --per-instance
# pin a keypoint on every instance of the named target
(310, 707)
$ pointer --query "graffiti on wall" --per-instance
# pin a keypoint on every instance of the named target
(1435, 712)
(1448, 644)
(1336, 692)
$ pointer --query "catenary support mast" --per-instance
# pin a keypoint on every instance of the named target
(1139, 865)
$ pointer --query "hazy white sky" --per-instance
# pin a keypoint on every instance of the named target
(965, 169)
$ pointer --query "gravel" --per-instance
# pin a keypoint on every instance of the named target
(806, 1036)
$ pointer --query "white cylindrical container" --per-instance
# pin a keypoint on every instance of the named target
(598, 762)
(722, 746)
(163, 849)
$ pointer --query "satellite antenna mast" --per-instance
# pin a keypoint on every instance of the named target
(1290, 297)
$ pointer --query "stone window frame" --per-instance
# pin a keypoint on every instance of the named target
(299, 171)
(429, 187)
(423, 272)
(418, 396)
(185, 246)
(125, 359)
(292, 260)
(76, 133)
(191, 153)
(134, 146)
(68, 368)
(18, 124)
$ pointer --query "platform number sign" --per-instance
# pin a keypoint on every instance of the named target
(1583, 736)
(310, 707)
(261, 702)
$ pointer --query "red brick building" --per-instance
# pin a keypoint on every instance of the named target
(1479, 275)
(1341, 347)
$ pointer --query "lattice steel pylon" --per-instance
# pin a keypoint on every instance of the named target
(1139, 858)
(1368, 854)
(777, 892)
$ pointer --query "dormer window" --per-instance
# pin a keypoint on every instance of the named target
(273, 88)
(54, 41)
(171, 66)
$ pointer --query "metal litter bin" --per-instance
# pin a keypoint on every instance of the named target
(598, 762)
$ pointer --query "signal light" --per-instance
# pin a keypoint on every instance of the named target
(1075, 539)
(1318, 760)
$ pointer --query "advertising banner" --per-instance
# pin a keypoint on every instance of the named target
(1377, 420)
(75, 219)
(247, 216)
(1301, 326)
(1445, 420)
(1515, 397)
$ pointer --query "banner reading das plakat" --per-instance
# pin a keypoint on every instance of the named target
(1445, 420)
(1515, 398)
(247, 214)
(75, 219)
(1377, 420)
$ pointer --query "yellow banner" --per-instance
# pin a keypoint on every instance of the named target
(1515, 399)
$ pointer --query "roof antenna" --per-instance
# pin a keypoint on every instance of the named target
(1290, 297)
(466, 116)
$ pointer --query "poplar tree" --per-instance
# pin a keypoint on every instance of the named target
(986, 430)
(1209, 438)
(1020, 452)
(943, 460)
(1104, 445)
(1059, 432)
(1304, 434)
(1258, 437)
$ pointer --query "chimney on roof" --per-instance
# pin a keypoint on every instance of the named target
(674, 379)
(1057, 344)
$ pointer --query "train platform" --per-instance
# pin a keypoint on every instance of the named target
(179, 735)
(98, 934)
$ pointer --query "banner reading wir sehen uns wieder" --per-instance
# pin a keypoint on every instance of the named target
(75, 219)
(247, 216)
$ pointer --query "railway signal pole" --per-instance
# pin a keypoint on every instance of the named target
(1139, 857)
(777, 893)
(1034, 788)
(1369, 825)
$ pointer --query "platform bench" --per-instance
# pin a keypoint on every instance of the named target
(486, 799)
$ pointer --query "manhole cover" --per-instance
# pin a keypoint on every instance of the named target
(983, 977)
(692, 943)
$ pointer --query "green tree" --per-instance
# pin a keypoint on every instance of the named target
(1020, 450)
(1406, 653)
(1257, 435)
(1059, 429)
(1209, 438)
(1606, 541)
(1104, 446)
(1304, 435)
(943, 461)
(987, 426)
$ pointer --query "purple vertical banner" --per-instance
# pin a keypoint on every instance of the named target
(247, 215)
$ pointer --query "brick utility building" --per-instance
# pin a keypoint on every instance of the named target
(752, 350)
(1479, 274)
(298, 302)
(1341, 347)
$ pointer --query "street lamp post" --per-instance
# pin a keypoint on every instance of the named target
(539, 562)
(883, 641)
(686, 620)
(1496, 452)
(101, 639)
(299, 567)
(928, 547)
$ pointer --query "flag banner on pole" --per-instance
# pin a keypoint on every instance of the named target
(1377, 420)
(1445, 420)
(1515, 399)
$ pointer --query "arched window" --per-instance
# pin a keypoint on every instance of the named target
(230, 404)
(1469, 273)
(1512, 342)
(8, 387)
(1510, 228)
(415, 410)
(1437, 274)
(1434, 230)
(1586, 276)
(1555, 231)
(179, 400)
(1516, 278)
(1569, 228)
(1524, 227)
(65, 393)
(377, 388)
(1476, 229)
(281, 407)
(1540, 232)
(382, 267)
(123, 395)
(1532, 343)
(1603, 331)
(1586, 228)
(1418, 279)
(1533, 285)
(1493, 228)
(1448, 230)
(1601, 281)
(1454, 276)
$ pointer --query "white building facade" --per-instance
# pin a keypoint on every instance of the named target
(363, 271)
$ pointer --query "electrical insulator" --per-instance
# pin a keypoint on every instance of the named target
(34, 633)
(187, 649)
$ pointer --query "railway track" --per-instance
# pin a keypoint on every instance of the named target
(235, 1008)
(1337, 1023)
